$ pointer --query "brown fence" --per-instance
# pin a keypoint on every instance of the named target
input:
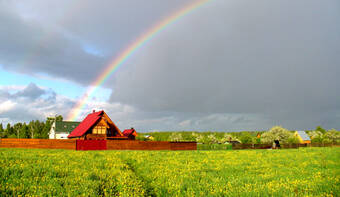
(111, 144)
(149, 145)
(38, 143)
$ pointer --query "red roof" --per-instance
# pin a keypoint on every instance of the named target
(86, 124)
(128, 132)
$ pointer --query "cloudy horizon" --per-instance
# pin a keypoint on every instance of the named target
(230, 65)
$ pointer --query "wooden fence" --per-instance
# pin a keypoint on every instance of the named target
(149, 145)
(110, 144)
(38, 143)
(284, 146)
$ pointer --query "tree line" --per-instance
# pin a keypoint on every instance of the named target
(33, 129)
(318, 135)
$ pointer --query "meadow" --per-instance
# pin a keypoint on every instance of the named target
(287, 172)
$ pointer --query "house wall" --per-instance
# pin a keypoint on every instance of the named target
(52, 131)
(61, 135)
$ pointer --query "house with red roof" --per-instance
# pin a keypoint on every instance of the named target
(95, 126)
(130, 133)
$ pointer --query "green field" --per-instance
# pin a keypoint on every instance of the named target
(289, 172)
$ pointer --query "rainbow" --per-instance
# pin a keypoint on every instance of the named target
(128, 52)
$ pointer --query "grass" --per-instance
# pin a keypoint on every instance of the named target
(287, 172)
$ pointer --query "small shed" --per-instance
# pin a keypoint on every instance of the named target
(130, 133)
(303, 137)
(97, 125)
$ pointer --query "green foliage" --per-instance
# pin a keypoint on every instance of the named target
(330, 136)
(286, 172)
(175, 137)
(293, 140)
(34, 129)
(246, 138)
(277, 133)
(316, 136)
(214, 147)
(322, 130)
(200, 137)
(333, 136)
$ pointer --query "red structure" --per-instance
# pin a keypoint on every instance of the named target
(130, 133)
(97, 126)
(91, 145)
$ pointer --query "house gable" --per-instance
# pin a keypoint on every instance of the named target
(97, 125)
(303, 137)
(86, 124)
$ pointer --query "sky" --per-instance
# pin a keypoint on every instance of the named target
(230, 65)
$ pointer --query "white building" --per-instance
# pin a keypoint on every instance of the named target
(61, 129)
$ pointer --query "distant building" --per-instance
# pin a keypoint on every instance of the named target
(61, 129)
(303, 137)
(130, 133)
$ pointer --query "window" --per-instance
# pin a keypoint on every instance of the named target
(99, 130)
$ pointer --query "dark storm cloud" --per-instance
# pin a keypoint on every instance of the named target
(27, 47)
(72, 41)
(237, 64)
(276, 58)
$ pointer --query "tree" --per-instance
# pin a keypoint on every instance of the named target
(212, 139)
(332, 136)
(198, 137)
(9, 132)
(322, 130)
(316, 136)
(246, 138)
(46, 130)
(227, 138)
(277, 133)
(176, 137)
(59, 118)
(24, 131)
(2, 131)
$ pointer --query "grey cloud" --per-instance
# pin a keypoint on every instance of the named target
(31, 91)
(275, 58)
(35, 38)
(32, 103)
(28, 47)
(237, 64)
